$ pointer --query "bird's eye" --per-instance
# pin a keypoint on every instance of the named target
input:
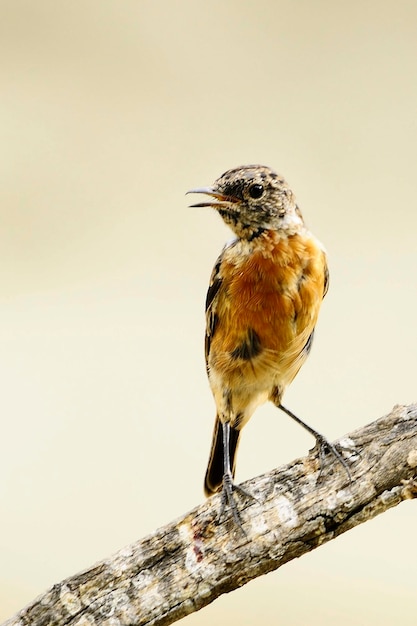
(256, 191)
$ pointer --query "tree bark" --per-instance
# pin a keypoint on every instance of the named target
(190, 562)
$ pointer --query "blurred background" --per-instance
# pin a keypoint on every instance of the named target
(109, 112)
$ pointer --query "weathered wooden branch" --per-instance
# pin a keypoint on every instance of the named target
(187, 564)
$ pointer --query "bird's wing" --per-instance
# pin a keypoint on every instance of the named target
(216, 281)
(326, 276)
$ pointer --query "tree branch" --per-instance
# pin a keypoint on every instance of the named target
(189, 563)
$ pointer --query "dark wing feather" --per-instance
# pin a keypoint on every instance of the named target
(211, 315)
(326, 277)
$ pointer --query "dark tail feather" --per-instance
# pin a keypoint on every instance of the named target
(214, 475)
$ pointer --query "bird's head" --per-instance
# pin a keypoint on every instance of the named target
(252, 199)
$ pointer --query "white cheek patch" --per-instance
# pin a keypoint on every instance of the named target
(291, 222)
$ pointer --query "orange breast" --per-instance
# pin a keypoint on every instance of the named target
(274, 290)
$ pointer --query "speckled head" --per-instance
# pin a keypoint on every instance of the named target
(252, 199)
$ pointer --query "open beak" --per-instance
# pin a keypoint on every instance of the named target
(209, 191)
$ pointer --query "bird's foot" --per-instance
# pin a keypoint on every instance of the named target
(324, 446)
(228, 498)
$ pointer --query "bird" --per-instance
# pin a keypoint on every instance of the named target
(262, 306)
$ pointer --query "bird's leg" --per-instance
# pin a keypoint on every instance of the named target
(229, 486)
(323, 444)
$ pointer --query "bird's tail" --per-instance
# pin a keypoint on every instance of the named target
(213, 481)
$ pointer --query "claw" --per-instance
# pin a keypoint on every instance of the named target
(326, 446)
(228, 498)
(321, 442)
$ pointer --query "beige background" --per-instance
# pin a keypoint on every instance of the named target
(110, 111)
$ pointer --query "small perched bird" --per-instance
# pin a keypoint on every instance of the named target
(262, 305)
